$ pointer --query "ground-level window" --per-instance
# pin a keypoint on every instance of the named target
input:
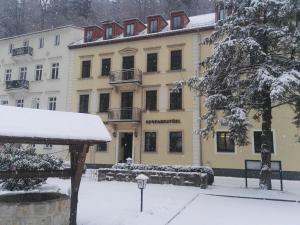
(175, 141)
(150, 141)
(84, 103)
(104, 102)
(258, 141)
(20, 103)
(52, 103)
(224, 143)
(4, 102)
(35, 103)
(102, 147)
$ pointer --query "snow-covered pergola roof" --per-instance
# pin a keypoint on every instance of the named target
(24, 125)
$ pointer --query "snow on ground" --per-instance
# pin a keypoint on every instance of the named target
(117, 203)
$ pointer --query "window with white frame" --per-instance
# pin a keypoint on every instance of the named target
(52, 103)
(41, 42)
(35, 103)
(57, 40)
(8, 73)
(20, 103)
(38, 72)
(4, 101)
(23, 73)
(130, 29)
(109, 32)
(54, 70)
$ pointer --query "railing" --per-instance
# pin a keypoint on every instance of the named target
(124, 114)
(125, 76)
(22, 51)
(17, 84)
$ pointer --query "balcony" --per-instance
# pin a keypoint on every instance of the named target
(23, 53)
(17, 85)
(124, 115)
(126, 77)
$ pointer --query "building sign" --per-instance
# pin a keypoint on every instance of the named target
(162, 121)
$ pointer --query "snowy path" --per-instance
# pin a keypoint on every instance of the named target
(117, 203)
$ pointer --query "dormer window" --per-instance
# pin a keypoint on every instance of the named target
(130, 29)
(89, 36)
(109, 33)
(177, 22)
(153, 26)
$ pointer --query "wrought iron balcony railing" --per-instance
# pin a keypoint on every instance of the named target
(125, 76)
(17, 84)
(124, 114)
(22, 51)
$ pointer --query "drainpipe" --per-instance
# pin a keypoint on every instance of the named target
(200, 139)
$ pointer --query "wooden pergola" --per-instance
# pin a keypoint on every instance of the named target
(79, 131)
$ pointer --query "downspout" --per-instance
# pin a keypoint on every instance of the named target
(200, 139)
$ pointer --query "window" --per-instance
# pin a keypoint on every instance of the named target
(102, 147)
(151, 100)
(38, 72)
(153, 26)
(86, 69)
(177, 22)
(54, 70)
(8, 74)
(152, 62)
(48, 146)
(176, 99)
(35, 103)
(224, 143)
(20, 103)
(41, 43)
(84, 103)
(23, 73)
(89, 36)
(258, 141)
(130, 29)
(52, 103)
(108, 33)
(10, 48)
(26, 43)
(176, 60)
(4, 102)
(150, 141)
(106, 64)
(57, 40)
(175, 141)
(104, 102)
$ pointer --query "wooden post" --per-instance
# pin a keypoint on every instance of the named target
(77, 158)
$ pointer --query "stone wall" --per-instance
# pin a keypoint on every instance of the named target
(155, 177)
(48, 212)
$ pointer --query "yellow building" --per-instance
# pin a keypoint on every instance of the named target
(126, 73)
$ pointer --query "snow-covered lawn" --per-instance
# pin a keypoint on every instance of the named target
(117, 203)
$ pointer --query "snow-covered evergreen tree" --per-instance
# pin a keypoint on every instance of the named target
(254, 67)
(14, 157)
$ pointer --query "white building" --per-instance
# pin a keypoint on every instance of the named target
(34, 70)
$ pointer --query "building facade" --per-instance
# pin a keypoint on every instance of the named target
(34, 70)
(126, 74)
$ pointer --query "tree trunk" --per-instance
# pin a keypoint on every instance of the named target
(266, 173)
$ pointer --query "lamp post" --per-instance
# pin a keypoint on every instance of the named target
(141, 182)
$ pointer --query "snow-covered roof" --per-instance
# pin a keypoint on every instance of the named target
(53, 125)
(196, 22)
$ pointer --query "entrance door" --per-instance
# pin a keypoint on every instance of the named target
(126, 146)
(128, 66)
(126, 105)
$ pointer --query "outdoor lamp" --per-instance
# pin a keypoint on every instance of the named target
(129, 160)
(141, 182)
